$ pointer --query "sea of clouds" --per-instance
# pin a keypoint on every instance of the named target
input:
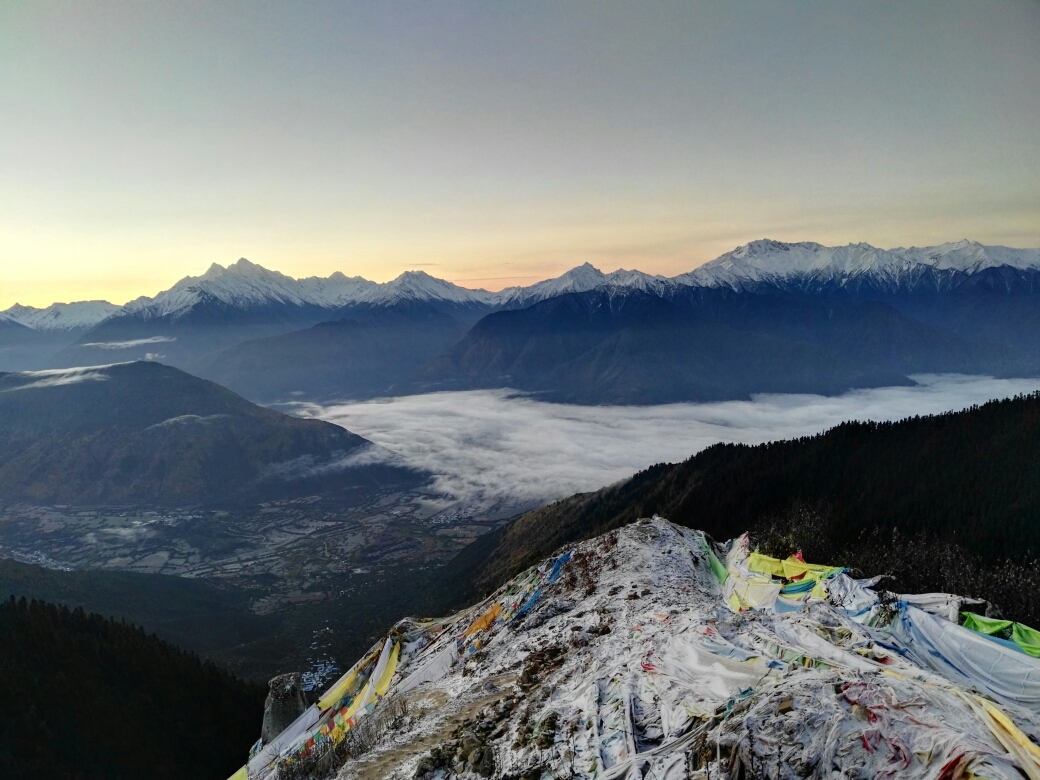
(489, 446)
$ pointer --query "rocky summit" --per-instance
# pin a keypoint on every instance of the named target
(651, 652)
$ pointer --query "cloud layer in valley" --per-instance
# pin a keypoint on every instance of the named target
(56, 377)
(128, 344)
(489, 446)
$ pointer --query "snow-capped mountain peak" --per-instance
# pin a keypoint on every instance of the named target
(636, 280)
(776, 262)
(804, 265)
(214, 271)
(420, 286)
(582, 278)
(60, 316)
(972, 257)
(244, 284)
(578, 279)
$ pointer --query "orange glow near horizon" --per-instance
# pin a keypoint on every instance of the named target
(496, 145)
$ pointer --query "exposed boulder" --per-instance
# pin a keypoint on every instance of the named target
(285, 703)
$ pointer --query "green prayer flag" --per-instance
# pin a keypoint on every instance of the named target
(1027, 638)
(985, 625)
(716, 565)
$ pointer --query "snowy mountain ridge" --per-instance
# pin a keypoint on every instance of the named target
(60, 316)
(582, 278)
(805, 265)
(808, 264)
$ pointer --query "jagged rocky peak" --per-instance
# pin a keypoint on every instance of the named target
(214, 270)
(582, 274)
(241, 267)
(650, 651)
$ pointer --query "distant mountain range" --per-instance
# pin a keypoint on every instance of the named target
(609, 346)
(749, 321)
(146, 433)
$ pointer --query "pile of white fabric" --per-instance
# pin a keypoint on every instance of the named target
(649, 652)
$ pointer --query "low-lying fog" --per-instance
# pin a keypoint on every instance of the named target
(493, 445)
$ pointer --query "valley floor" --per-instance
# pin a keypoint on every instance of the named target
(297, 557)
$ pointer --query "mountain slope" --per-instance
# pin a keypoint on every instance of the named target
(85, 697)
(989, 294)
(627, 346)
(967, 477)
(583, 278)
(30, 337)
(148, 433)
(192, 613)
(23, 348)
(371, 354)
(808, 266)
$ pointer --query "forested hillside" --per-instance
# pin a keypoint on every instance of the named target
(371, 353)
(970, 479)
(142, 432)
(632, 347)
(193, 613)
(84, 697)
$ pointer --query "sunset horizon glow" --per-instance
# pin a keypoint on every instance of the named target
(495, 145)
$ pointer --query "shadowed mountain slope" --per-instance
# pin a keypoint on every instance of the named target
(148, 433)
(370, 354)
(698, 344)
(194, 614)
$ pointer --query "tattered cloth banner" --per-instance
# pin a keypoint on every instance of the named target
(484, 620)
(968, 658)
(335, 713)
(1011, 634)
(756, 581)
(432, 669)
(357, 692)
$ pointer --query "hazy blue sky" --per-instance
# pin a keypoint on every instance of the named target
(498, 143)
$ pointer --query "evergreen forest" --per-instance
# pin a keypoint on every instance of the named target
(86, 697)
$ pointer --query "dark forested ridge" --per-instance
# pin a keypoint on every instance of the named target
(632, 347)
(369, 354)
(144, 432)
(85, 697)
(971, 478)
(196, 614)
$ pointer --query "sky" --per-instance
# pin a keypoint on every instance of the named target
(494, 144)
(488, 446)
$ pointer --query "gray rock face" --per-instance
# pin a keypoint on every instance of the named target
(285, 703)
